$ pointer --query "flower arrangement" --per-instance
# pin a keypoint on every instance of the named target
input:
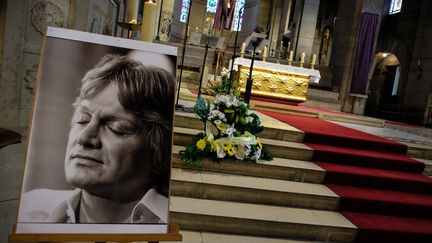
(222, 86)
(229, 132)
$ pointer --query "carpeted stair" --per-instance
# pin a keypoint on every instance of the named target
(383, 191)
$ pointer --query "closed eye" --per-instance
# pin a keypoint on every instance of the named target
(82, 118)
(122, 128)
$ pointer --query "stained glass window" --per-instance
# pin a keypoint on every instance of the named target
(184, 11)
(395, 6)
(212, 6)
(238, 15)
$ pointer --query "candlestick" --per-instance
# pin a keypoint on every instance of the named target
(280, 48)
(290, 59)
(273, 46)
(264, 55)
(302, 59)
(242, 51)
(313, 61)
(132, 11)
(149, 21)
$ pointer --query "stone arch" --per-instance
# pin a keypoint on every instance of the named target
(395, 45)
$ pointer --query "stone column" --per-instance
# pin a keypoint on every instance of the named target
(285, 16)
(177, 27)
(275, 22)
(346, 30)
(419, 85)
(307, 28)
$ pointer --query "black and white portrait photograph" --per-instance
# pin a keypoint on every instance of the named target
(99, 152)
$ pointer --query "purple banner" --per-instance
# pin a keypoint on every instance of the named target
(364, 52)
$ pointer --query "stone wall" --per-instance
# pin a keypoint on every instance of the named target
(419, 86)
(407, 35)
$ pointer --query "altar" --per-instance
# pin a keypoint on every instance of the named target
(275, 81)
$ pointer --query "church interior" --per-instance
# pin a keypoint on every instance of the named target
(350, 135)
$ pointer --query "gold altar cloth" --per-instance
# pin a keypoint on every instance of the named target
(273, 84)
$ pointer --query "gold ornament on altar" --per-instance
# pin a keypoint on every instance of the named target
(271, 84)
(257, 85)
(289, 90)
(273, 87)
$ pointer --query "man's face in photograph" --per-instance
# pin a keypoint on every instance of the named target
(106, 148)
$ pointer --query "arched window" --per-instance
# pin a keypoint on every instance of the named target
(212, 6)
(395, 6)
(238, 16)
(184, 11)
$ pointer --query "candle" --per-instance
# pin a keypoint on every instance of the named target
(280, 48)
(273, 44)
(264, 55)
(302, 57)
(289, 46)
(149, 21)
(132, 11)
(243, 48)
(313, 60)
(291, 54)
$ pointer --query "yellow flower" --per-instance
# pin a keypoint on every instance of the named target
(221, 126)
(229, 111)
(247, 134)
(229, 149)
(201, 144)
(259, 143)
(214, 145)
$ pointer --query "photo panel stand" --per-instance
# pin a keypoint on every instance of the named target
(42, 215)
(256, 40)
(203, 64)
(172, 235)
(234, 54)
(177, 105)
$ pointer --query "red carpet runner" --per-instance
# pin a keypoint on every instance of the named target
(383, 191)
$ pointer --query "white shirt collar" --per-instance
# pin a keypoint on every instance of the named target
(152, 208)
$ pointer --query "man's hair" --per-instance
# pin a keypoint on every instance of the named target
(148, 93)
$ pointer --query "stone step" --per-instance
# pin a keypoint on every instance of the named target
(248, 189)
(322, 114)
(419, 150)
(273, 129)
(260, 220)
(318, 94)
(428, 167)
(282, 149)
(278, 168)
(329, 105)
(209, 237)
